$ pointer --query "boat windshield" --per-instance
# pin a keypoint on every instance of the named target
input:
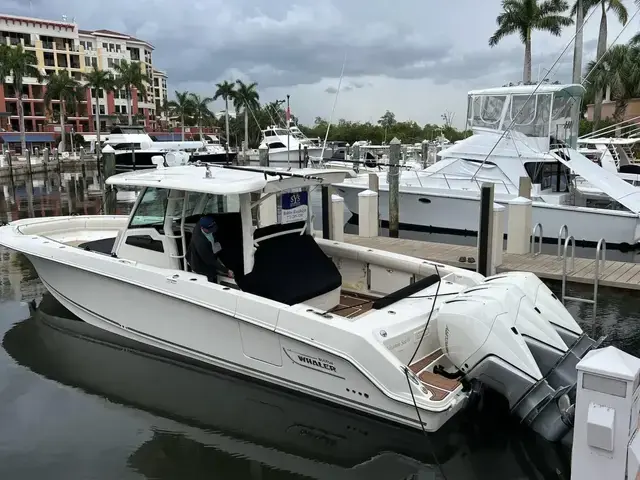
(151, 209)
(547, 118)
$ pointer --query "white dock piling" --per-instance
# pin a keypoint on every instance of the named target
(368, 214)
(337, 217)
(497, 241)
(605, 440)
(519, 225)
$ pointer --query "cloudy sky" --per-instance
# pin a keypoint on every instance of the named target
(417, 58)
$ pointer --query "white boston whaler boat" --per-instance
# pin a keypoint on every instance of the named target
(400, 338)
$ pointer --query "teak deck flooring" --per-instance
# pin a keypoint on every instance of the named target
(353, 305)
(439, 386)
(615, 274)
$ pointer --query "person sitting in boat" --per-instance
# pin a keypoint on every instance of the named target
(203, 250)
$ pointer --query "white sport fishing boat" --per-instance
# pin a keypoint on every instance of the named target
(520, 131)
(396, 337)
(286, 147)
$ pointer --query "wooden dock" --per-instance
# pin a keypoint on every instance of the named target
(622, 275)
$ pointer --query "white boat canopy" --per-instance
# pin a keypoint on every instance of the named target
(222, 180)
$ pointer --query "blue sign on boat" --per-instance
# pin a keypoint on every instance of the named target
(294, 199)
(294, 206)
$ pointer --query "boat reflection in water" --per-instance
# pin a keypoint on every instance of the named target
(246, 430)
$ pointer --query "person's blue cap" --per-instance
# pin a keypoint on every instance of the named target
(208, 223)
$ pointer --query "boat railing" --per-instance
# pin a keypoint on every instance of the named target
(599, 266)
(539, 236)
(562, 235)
(477, 180)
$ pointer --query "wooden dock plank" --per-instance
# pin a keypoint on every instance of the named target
(615, 274)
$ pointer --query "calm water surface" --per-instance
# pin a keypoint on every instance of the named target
(78, 404)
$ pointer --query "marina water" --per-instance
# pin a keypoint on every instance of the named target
(77, 404)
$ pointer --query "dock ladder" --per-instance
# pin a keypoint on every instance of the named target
(601, 252)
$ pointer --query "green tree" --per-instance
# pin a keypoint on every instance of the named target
(226, 91)
(620, 11)
(19, 64)
(525, 16)
(99, 81)
(181, 107)
(130, 76)
(201, 112)
(68, 91)
(619, 71)
(248, 98)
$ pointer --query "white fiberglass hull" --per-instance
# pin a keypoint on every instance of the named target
(460, 211)
(145, 314)
(280, 158)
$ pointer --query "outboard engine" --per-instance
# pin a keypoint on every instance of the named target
(512, 334)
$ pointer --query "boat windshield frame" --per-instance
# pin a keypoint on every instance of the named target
(548, 115)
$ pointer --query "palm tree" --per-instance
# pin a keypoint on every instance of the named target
(18, 63)
(130, 76)
(619, 72)
(578, 43)
(525, 16)
(620, 11)
(99, 80)
(62, 87)
(201, 110)
(182, 106)
(248, 97)
(226, 91)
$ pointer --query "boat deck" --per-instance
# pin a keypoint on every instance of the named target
(353, 305)
(624, 275)
(440, 387)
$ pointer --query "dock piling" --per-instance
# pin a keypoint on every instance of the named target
(424, 153)
(337, 218)
(519, 225)
(374, 186)
(485, 231)
(326, 212)
(524, 188)
(368, 214)
(497, 238)
(394, 187)
(263, 155)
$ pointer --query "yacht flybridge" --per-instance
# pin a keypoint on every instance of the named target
(396, 337)
(518, 131)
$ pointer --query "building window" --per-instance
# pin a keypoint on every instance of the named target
(87, 62)
(105, 46)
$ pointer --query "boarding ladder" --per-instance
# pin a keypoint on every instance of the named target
(173, 205)
(601, 252)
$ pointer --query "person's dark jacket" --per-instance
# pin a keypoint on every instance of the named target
(201, 257)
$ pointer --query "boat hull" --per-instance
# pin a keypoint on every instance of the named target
(193, 331)
(430, 209)
(280, 159)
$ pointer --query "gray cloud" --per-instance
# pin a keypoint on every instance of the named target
(295, 42)
(354, 85)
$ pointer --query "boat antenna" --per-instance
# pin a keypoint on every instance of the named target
(513, 120)
(335, 101)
